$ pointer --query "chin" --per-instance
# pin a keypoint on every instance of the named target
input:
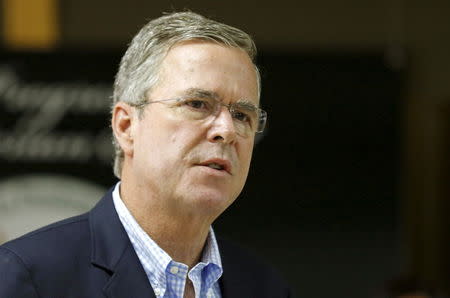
(212, 202)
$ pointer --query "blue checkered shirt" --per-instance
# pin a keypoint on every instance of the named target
(166, 276)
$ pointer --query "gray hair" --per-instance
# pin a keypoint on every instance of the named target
(139, 67)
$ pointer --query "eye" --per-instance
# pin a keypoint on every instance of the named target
(241, 116)
(197, 104)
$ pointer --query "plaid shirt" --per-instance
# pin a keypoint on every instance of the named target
(166, 276)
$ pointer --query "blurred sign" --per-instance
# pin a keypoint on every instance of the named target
(55, 139)
(40, 109)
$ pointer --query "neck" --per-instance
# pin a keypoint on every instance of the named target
(182, 236)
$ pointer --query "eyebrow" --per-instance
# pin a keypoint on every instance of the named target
(246, 104)
(203, 93)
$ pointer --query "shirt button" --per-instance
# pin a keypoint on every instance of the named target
(157, 291)
(209, 294)
(174, 269)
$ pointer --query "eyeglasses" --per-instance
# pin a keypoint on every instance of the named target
(248, 119)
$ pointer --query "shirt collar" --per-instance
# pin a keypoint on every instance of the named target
(153, 258)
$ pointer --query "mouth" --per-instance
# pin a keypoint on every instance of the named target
(218, 165)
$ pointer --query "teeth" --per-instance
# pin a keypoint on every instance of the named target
(215, 166)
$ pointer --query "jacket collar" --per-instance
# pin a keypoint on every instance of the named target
(236, 281)
(112, 251)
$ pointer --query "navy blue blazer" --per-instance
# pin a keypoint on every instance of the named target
(91, 256)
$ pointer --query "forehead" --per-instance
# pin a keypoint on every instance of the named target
(220, 69)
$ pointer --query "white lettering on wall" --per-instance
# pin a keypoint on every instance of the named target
(41, 107)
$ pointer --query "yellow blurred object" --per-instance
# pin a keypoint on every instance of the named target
(30, 24)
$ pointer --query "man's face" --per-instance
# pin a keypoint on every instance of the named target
(175, 158)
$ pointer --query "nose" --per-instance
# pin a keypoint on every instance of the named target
(222, 128)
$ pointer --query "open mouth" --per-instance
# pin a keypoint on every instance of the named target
(218, 164)
(215, 166)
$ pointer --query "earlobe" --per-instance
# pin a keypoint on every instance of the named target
(122, 123)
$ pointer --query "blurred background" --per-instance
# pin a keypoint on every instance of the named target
(349, 187)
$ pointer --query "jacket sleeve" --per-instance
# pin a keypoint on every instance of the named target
(15, 279)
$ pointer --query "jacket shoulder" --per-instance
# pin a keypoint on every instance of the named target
(243, 268)
(51, 243)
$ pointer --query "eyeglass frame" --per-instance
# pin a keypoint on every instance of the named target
(262, 115)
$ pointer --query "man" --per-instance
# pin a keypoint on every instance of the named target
(185, 114)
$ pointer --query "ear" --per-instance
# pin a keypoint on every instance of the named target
(123, 117)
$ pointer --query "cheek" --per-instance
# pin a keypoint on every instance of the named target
(173, 139)
(185, 137)
(245, 158)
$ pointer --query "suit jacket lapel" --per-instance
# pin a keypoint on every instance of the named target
(236, 280)
(129, 278)
(232, 285)
(113, 252)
